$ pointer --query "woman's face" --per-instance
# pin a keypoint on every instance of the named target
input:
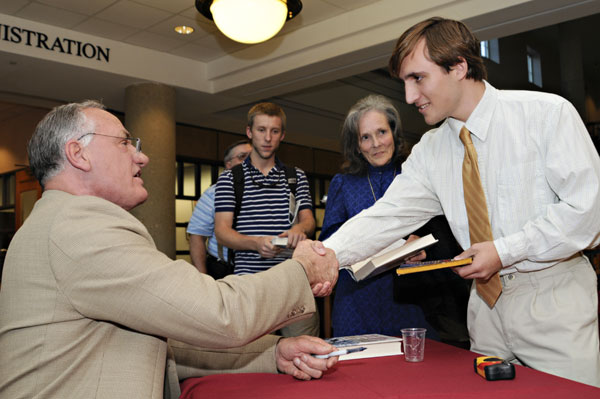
(375, 139)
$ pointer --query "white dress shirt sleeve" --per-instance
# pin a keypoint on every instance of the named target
(572, 222)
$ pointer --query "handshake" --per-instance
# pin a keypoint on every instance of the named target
(320, 265)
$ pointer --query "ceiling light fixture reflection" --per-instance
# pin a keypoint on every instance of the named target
(249, 21)
(184, 30)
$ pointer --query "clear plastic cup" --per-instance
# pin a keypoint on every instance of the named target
(413, 341)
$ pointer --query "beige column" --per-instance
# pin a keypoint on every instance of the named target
(150, 115)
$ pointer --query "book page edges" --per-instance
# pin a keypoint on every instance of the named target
(408, 249)
(375, 350)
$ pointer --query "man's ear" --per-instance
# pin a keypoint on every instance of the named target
(77, 155)
(249, 132)
(461, 68)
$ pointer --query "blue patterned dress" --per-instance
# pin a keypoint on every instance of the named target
(368, 306)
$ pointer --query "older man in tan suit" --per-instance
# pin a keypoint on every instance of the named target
(88, 302)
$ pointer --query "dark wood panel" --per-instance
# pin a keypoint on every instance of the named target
(197, 143)
(327, 162)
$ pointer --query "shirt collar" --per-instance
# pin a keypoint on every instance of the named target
(278, 165)
(381, 169)
(479, 120)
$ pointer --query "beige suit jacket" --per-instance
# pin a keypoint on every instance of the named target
(87, 301)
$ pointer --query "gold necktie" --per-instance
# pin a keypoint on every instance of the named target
(479, 222)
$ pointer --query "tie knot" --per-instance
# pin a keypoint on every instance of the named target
(465, 136)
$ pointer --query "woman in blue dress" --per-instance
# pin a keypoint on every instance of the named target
(372, 147)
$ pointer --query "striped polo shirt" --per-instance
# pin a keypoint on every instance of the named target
(264, 211)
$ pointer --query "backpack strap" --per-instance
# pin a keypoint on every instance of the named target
(291, 177)
(238, 189)
(292, 181)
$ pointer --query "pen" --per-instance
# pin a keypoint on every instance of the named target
(340, 352)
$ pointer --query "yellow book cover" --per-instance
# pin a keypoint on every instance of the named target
(416, 267)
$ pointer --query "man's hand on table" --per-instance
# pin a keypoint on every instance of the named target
(294, 357)
(320, 264)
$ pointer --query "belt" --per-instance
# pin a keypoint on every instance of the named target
(537, 275)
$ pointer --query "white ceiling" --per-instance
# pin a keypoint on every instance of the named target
(316, 67)
(150, 23)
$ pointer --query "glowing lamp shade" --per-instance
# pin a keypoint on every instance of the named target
(249, 21)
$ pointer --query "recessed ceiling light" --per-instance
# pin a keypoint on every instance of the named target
(184, 30)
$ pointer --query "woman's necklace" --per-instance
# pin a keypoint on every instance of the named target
(370, 185)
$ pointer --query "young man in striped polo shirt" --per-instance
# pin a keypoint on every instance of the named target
(265, 210)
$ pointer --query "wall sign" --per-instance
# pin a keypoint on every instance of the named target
(27, 37)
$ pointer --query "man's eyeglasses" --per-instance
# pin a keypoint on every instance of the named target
(135, 141)
(241, 156)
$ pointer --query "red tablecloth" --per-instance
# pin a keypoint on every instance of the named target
(447, 372)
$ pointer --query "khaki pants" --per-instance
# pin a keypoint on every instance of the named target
(547, 320)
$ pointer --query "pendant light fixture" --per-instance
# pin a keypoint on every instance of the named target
(249, 21)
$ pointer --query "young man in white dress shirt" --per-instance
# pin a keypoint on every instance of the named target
(541, 178)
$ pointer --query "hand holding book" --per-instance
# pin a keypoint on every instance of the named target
(341, 352)
(390, 258)
(418, 256)
(365, 345)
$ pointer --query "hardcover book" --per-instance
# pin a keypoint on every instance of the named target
(388, 258)
(376, 344)
(416, 267)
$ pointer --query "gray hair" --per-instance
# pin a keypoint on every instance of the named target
(354, 162)
(227, 155)
(46, 149)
